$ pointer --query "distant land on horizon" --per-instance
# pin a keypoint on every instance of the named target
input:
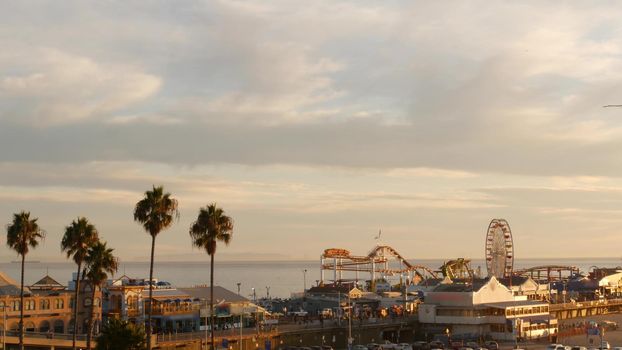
(282, 259)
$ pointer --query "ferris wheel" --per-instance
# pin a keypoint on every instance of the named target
(499, 249)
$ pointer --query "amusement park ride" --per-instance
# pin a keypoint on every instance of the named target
(384, 260)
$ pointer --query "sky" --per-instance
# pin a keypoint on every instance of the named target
(317, 124)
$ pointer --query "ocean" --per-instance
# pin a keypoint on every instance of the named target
(280, 277)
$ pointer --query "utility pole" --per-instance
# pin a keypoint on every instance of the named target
(239, 284)
(304, 282)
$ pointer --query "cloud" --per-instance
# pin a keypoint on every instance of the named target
(47, 86)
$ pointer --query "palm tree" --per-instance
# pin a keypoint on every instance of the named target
(99, 263)
(121, 335)
(22, 234)
(155, 212)
(212, 225)
(79, 236)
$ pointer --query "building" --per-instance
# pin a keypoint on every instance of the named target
(484, 308)
(527, 287)
(124, 300)
(229, 308)
(47, 306)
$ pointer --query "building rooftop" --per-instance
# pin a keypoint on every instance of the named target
(461, 286)
(220, 294)
(47, 282)
(162, 294)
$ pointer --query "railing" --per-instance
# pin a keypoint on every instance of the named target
(585, 304)
(46, 335)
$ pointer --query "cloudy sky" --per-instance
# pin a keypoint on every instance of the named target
(315, 124)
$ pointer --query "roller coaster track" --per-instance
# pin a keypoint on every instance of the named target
(378, 255)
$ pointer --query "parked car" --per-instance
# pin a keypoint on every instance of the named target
(491, 345)
(473, 345)
(372, 346)
(437, 344)
(420, 345)
(580, 348)
(605, 345)
(553, 346)
(456, 344)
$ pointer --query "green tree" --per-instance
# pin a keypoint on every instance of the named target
(121, 335)
(99, 263)
(22, 234)
(79, 236)
(155, 212)
(211, 226)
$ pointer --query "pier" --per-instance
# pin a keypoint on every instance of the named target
(585, 308)
(335, 335)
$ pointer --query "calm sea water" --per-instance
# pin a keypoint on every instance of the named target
(282, 277)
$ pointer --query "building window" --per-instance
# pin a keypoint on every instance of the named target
(87, 302)
(44, 304)
(29, 305)
(59, 303)
(15, 306)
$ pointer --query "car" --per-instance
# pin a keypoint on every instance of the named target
(373, 346)
(605, 345)
(473, 345)
(420, 345)
(327, 347)
(553, 346)
(406, 346)
(437, 344)
(579, 348)
(359, 347)
(491, 345)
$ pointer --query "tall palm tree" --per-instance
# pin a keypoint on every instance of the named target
(155, 212)
(99, 263)
(79, 236)
(212, 225)
(22, 234)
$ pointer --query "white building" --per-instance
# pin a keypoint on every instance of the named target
(481, 308)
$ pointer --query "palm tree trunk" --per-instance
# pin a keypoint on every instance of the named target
(75, 308)
(211, 299)
(149, 331)
(21, 309)
(89, 335)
